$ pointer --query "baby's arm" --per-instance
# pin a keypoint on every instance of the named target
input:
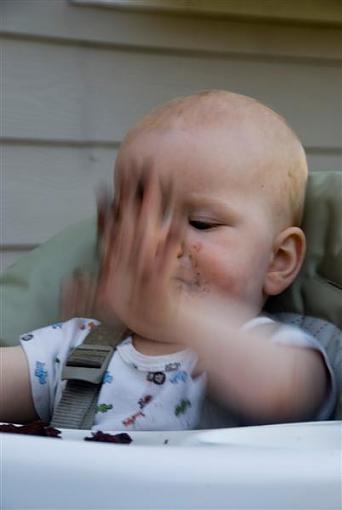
(16, 404)
(261, 380)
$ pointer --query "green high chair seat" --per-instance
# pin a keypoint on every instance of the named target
(30, 287)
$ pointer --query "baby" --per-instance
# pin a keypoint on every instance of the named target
(205, 226)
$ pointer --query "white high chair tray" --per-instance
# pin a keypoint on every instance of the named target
(295, 466)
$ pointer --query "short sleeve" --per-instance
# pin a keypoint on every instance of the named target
(46, 350)
(292, 335)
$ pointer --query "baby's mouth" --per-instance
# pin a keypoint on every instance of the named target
(181, 281)
(184, 275)
(188, 279)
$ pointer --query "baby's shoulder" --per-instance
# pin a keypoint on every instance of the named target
(66, 334)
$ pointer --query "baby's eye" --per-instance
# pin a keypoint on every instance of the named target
(202, 225)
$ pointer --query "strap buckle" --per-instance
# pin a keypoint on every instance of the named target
(88, 363)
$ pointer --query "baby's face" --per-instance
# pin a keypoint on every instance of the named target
(224, 206)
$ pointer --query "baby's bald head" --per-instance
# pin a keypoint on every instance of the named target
(274, 153)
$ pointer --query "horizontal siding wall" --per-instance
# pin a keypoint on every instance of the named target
(76, 78)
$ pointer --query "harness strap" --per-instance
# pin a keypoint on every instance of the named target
(84, 370)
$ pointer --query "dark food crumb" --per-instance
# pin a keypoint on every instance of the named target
(110, 438)
(36, 428)
(39, 428)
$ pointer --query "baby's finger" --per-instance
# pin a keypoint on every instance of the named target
(169, 229)
(127, 215)
(172, 245)
(148, 225)
(169, 202)
(118, 234)
(74, 296)
(108, 241)
(103, 200)
(113, 225)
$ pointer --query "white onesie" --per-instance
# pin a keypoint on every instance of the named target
(141, 392)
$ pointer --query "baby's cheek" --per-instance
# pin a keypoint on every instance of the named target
(210, 272)
(219, 275)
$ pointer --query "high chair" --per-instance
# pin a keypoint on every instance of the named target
(32, 284)
(275, 466)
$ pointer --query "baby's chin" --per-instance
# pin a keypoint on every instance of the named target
(190, 286)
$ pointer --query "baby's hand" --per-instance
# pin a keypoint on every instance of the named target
(139, 247)
(77, 297)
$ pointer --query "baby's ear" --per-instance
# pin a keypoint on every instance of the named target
(287, 259)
